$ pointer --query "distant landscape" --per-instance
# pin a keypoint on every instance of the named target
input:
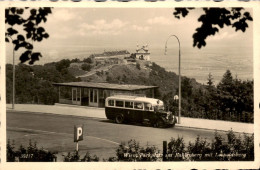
(194, 63)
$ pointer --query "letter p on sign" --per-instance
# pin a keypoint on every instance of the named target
(78, 133)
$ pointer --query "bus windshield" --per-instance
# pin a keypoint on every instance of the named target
(159, 108)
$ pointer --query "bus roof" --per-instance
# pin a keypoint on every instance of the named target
(136, 98)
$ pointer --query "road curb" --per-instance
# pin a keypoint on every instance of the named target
(56, 114)
(219, 130)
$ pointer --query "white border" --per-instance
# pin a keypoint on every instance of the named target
(135, 165)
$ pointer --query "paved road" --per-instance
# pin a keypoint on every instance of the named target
(101, 137)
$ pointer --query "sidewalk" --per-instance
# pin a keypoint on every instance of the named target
(100, 113)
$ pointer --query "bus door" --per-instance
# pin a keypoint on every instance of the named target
(148, 112)
(138, 111)
(129, 111)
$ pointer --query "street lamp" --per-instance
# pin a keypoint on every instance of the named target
(175, 98)
(179, 115)
(13, 76)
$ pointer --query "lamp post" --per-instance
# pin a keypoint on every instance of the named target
(179, 115)
(175, 98)
(13, 76)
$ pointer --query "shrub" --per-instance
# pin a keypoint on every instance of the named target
(176, 148)
(248, 144)
(133, 152)
(89, 158)
(31, 154)
(89, 60)
(138, 66)
(86, 67)
(10, 153)
(200, 148)
(75, 157)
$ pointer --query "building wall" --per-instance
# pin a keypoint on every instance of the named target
(143, 56)
(83, 98)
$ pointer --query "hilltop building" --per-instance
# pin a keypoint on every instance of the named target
(142, 53)
(110, 56)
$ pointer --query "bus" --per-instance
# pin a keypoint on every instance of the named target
(124, 109)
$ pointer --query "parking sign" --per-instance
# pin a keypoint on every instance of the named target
(78, 133)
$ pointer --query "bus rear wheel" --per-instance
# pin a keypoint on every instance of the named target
(119, 119)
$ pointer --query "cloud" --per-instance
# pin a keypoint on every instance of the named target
(62, 33)
(222, 36)
(140, 28)
(102, 27)
(160, 20)
(64, 15)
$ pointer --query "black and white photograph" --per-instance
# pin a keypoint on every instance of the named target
(173, 85)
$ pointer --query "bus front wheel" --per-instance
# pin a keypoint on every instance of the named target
(119, 119)
(159, 124)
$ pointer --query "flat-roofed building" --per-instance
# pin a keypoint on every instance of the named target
(94, 94)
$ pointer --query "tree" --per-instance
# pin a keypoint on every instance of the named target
(14, 17)
(214, 19)
(226, 83)
(210, 80)
(75, 60)
(86, 67)
(62, 64)
(89, 60)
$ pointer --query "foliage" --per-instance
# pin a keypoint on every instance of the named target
(138, 66)
(214, 19)
(29, 154)
(75, 157)
(33, 84)
(176, 147)
(210, 80)
(88, 60)
(10, 153)
(132, 151)
(234, 149)
(200, 148)
(86, 67)
(15, 17)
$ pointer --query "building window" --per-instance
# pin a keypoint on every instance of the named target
(91, 94)
(74, 94)
(95, 96)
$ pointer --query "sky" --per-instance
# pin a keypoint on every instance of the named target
(78, 32)
(77, 29)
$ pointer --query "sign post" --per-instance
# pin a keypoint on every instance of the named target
(164, 150)
(78, 135)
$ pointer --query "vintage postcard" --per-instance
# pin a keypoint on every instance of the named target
(136, 85)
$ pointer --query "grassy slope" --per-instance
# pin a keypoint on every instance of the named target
(130, 74)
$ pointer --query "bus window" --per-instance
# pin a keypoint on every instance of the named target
(147, 106)
(111, 103)
(129, 104)
(119, 103)
(138, 105)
